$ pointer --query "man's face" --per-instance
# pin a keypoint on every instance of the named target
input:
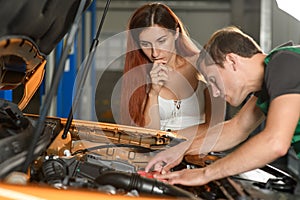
(214, 79)
(224, 82)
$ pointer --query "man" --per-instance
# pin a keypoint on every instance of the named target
(235, 70)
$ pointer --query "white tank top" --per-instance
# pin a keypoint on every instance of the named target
(180, 114)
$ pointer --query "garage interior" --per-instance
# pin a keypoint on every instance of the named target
(98, 101)
(261, 19)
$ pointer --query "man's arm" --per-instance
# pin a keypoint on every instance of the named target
(171, 157)
(220, 137)
(229, 133)
(271, 143)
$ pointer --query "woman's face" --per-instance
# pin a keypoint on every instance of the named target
(158, 43)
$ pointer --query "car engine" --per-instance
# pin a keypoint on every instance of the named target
(110, 158)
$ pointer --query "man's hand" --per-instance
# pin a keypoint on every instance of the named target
(188, 177)
(167, 159)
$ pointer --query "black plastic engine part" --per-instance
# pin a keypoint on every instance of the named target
(132, 181)
(15, 134)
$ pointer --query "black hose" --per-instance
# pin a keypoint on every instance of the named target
(133, 181)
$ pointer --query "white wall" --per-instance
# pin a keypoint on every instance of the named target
(284, 27)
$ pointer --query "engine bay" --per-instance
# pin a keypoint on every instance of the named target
(110, 159)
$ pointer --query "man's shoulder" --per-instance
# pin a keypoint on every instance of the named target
(285, 50)
(286, 44)
(286, 54)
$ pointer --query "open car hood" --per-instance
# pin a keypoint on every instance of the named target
(30, 30)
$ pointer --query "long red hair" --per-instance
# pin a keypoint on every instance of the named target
(135, 84)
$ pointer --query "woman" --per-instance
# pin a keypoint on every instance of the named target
(161, 86)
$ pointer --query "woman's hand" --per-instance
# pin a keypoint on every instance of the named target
(159, 75)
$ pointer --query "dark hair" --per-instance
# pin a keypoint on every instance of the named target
(150, 14)
(225, 41)
(144, 17)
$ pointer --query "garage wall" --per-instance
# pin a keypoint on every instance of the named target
(201, 18)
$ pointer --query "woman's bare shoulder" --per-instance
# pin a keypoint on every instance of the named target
(192, 59)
